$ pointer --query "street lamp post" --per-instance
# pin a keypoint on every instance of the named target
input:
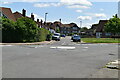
(60, 25)
(60, 22)
(45, 17)
(80, 26)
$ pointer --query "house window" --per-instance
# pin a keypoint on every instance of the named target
(74, 31)
(61, 31)
(75, 28)
(64, 31)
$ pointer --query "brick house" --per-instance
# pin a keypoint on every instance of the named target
(100, 33)
(7, 13)
(69, 29)
(64, 28)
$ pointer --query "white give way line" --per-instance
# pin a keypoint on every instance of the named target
(62, 47)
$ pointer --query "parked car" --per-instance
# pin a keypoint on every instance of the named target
(76, 38)
(56, 37)
(63, 35)
(73, 36)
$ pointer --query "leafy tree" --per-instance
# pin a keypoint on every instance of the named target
(113, 25)
(27, 29)
(58, 30)
(84, 29)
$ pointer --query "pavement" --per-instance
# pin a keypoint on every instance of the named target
(34, 43)
(61, 59)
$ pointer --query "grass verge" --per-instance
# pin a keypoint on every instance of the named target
(100, 40)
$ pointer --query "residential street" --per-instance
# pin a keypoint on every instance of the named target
(62, 59)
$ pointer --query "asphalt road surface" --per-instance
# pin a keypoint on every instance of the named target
(62, 59)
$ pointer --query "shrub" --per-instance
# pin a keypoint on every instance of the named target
(23, 30)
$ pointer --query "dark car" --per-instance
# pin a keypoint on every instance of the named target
(76, 38)
(48, 37)
(73, 36)
(62, 35)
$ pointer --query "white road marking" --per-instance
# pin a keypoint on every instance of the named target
(62, 47)
(85, 47)
(63, 43)
(5, 45)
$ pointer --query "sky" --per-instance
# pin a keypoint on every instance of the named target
(87, 11)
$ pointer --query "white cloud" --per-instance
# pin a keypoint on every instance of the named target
(30, 0)
(55, 4)
(85, 17)
(36, 16)
(87, 1)
(6, 2)
(88, 25)
(78, 6)
(41, 5)
(100, 15)
(79, 11)
(74, 2)
(47, 4)
(97, 15)
(69, 3)
(104, 0)
(77, 3)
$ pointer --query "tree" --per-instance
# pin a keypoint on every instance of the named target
(58, 30)
(84, 29)
(8, 30)
(27, 29)
(113, 25)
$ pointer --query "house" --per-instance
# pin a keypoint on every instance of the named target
(100, 33)
(7, 13)
(23, 14)
(93, 29)
(69, 29)
(52, 27)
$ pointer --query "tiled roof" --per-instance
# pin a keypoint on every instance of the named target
(94, 26)
(17, 15)
(7, 12)
(101, 25)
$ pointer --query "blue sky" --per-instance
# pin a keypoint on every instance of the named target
(86, 11)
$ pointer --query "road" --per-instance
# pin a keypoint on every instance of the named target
(62, 59)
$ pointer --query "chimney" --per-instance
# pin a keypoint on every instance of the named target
(24, 12)
(37, 20)
(32, 16)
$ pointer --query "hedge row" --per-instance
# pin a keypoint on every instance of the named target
(23, 30)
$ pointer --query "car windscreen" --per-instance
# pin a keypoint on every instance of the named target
(76, 36)
(56, 34)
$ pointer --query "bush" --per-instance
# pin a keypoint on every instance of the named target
(43, 34)
(23, 30)
(8, 30)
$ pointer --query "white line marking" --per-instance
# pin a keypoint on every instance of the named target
(62, 47)
(5, 45)
(86, 47)
(63, 43)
